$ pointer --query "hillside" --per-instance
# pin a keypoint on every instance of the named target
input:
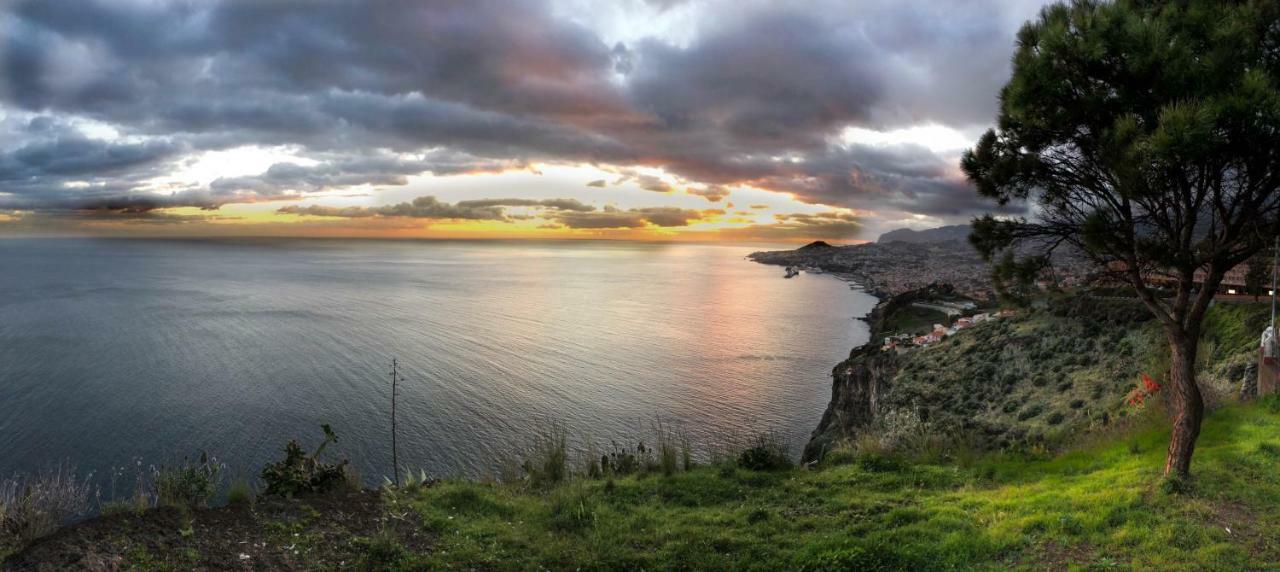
(1030, 380)
(886, 269)
(953, 233)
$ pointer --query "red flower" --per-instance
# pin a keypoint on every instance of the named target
(1150, 384)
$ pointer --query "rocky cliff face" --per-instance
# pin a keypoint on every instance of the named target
(859, 383)
(857, 387)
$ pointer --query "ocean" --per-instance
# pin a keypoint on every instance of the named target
(120, 353)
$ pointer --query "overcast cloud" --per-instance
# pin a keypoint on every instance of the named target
(98, 98)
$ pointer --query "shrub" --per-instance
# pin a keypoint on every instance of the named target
(240, 492)
(619, 461)
(1055, 418)
(1030, 412)
(769, 452)
(1077, 403)
(668, 448)
(189, 485)
(572, 509)
(1176, 485)
(31, 507)
(299, 473)
(1270, 450)
(549, 464)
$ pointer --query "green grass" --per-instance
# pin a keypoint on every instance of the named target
(1096, 507)
(914, 320)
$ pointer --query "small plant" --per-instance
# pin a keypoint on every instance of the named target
(1147, 387)
(623, 461)
(672, 445)
(189, 485)
(1031, 412)
(1174, 484)
(767, 453)
(240, 492)
(31, 507)
(300, 473)
(549, 464)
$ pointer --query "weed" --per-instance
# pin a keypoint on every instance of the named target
(240, 492)
(299, 473)
(190, 484)
(768, 452)
(549, 464)
(33, 506)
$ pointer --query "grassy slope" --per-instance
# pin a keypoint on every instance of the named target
(1036, 377)
(1097, 507)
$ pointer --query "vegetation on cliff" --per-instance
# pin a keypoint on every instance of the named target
(1065, 366)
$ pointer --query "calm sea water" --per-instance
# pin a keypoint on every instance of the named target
(115, 351)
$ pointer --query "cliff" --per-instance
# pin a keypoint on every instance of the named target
(1032, 380)
(859, 382)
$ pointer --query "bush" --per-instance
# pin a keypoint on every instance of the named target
(549, 464)
(1055, 418)
(768, 453)
(669, 442)
(189, 485)
(31, 507)
(622, 461)
(241, 492)
(1176, 485)
(299, 473)
(1030, 412)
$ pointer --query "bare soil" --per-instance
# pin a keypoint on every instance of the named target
(344, 530)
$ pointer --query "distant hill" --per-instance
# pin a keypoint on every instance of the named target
(951, 233)
(816, 245)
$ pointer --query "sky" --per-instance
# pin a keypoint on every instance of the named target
(737, 120)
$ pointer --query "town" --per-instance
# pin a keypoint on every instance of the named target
(904, 341)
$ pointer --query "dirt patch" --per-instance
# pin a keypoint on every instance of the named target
(337, 530)
(1052, 555)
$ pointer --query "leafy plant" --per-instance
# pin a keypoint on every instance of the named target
(549, 464)
(300, 473)
(189, 485)
(240, 492)
(768, 453)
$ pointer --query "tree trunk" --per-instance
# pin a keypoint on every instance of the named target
(1185, 403)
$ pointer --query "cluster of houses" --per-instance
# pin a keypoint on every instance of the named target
(904, 341)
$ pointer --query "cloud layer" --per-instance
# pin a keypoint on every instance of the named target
(375, 92)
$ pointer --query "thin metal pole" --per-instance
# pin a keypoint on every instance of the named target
(395, 455)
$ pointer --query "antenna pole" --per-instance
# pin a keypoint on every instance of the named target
(395, 455)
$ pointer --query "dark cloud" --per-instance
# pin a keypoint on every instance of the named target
(429, 207)
(757, 96)
(713, 193)
(348, 171)
(612, 217)
(421, 207)
(556, 204)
